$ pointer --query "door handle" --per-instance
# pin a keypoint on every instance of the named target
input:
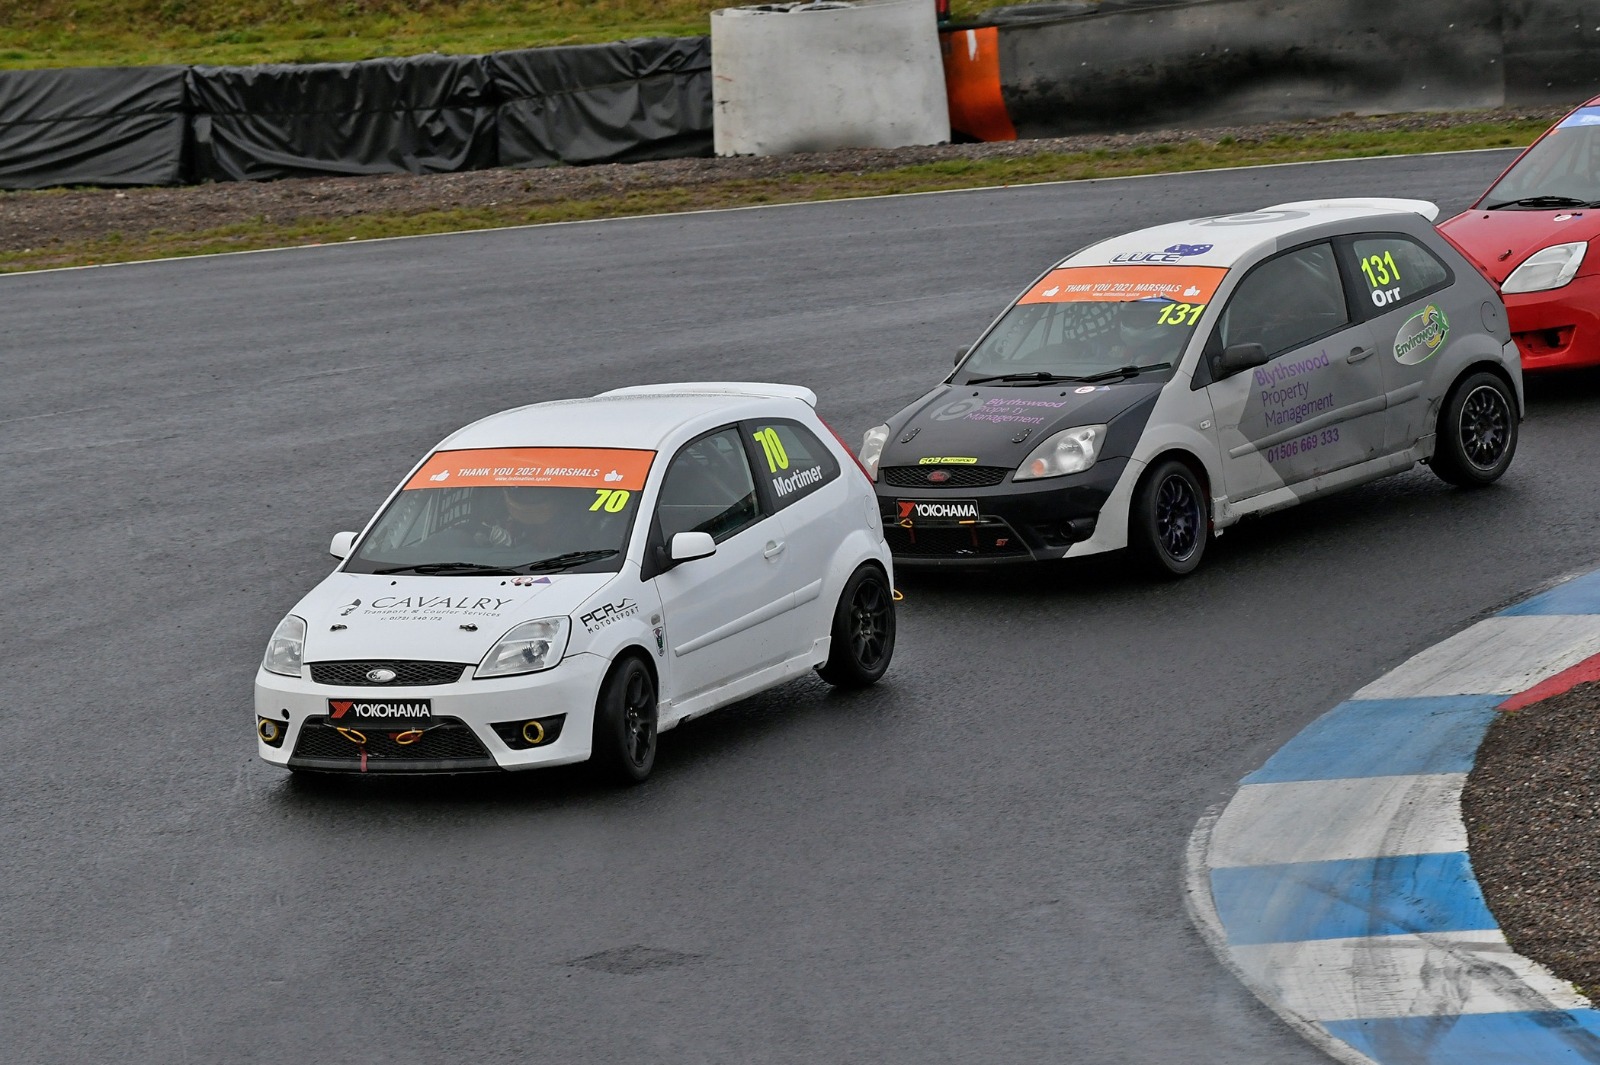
(1357, 354)
(774, 549)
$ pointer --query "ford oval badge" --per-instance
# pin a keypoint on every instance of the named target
(381, 675)
(939, 476)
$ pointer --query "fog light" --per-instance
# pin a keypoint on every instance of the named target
(270, 731)
(532, 732)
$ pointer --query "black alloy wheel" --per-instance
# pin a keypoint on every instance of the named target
(1477, 432)
(863, 631)
(625, 719)
(1169, 521)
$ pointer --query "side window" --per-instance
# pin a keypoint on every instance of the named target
(1287, 301)
(708, 488)
(792, 461)
(1393, 269)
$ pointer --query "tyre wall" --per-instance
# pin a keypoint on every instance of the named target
(1080, 66)
(648, 98)
(1224, 62)
(103, 126)
(422, 115)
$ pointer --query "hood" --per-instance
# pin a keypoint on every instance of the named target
(422, 618)
(1499, 241)
(983, 422)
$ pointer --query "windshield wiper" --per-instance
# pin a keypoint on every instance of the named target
(1541, 201)
(571, 558)
(435, 569)
(1125, 371)
(1042, 377)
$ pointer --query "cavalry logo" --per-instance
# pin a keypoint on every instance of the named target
(960, 510)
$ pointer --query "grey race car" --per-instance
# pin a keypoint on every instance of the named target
(1153, 389)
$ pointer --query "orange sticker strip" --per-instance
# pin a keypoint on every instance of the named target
(553, 467)
(1111, 284)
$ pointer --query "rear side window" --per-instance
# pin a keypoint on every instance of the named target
(1287, 302)
(1391, 269)
(790, 459)
(708, 489)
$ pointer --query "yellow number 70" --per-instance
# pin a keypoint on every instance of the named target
(613, 499)
(772, 447)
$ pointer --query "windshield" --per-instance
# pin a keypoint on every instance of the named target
(509, 511)
(1089, 321)
(1562, 170)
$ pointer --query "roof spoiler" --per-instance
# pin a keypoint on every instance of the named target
(720, 388)
(1428, 210)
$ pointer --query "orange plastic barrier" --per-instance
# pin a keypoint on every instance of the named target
(972, 80)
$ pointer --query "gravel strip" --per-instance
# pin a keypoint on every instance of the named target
(1532, 807)
(39, 219)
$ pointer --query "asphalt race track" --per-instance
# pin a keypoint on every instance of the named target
(978, 861)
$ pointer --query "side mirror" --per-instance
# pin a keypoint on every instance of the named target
(1236, 358)
(342, 545)
(688, 546)
(962, 353)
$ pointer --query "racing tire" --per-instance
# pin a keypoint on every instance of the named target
(1476, 435)
(625, 720)
(863, 631)
(1169, 522)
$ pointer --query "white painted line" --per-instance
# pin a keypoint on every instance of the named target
(1332, 820)
(1497, 656)
(1373, 977)
(750, 207)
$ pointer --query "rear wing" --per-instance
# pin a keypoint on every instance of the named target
(720, 388)
(1387, 204)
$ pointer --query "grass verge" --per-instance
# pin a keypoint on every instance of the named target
(535, 206)
(66, 33)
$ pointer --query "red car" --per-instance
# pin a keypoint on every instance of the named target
(1530, 235)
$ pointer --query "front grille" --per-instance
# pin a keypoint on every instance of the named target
(355, 673)
(989, 540)
(445, 743)
(960, 476)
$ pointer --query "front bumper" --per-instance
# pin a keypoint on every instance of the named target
(1028, 521)
(1559, 329)
(459, 737)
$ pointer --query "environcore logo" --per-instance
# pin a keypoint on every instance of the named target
(1422, 334)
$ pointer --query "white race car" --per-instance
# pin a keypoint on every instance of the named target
(562, 581)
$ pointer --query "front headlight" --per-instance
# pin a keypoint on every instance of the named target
(1547, 269)
(286, 648)
(872, 448)
(1069, 451)
(527, 648)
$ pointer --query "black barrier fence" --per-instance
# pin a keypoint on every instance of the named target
(648, 98)
(1075, 66)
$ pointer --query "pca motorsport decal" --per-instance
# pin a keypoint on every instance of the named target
(1422, 334)
(609, 614)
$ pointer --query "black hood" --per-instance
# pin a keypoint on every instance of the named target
(984, 422)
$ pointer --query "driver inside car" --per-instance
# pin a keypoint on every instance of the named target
(537, 517)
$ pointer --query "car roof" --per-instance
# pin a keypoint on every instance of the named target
(1230, 239)
(644, 417)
